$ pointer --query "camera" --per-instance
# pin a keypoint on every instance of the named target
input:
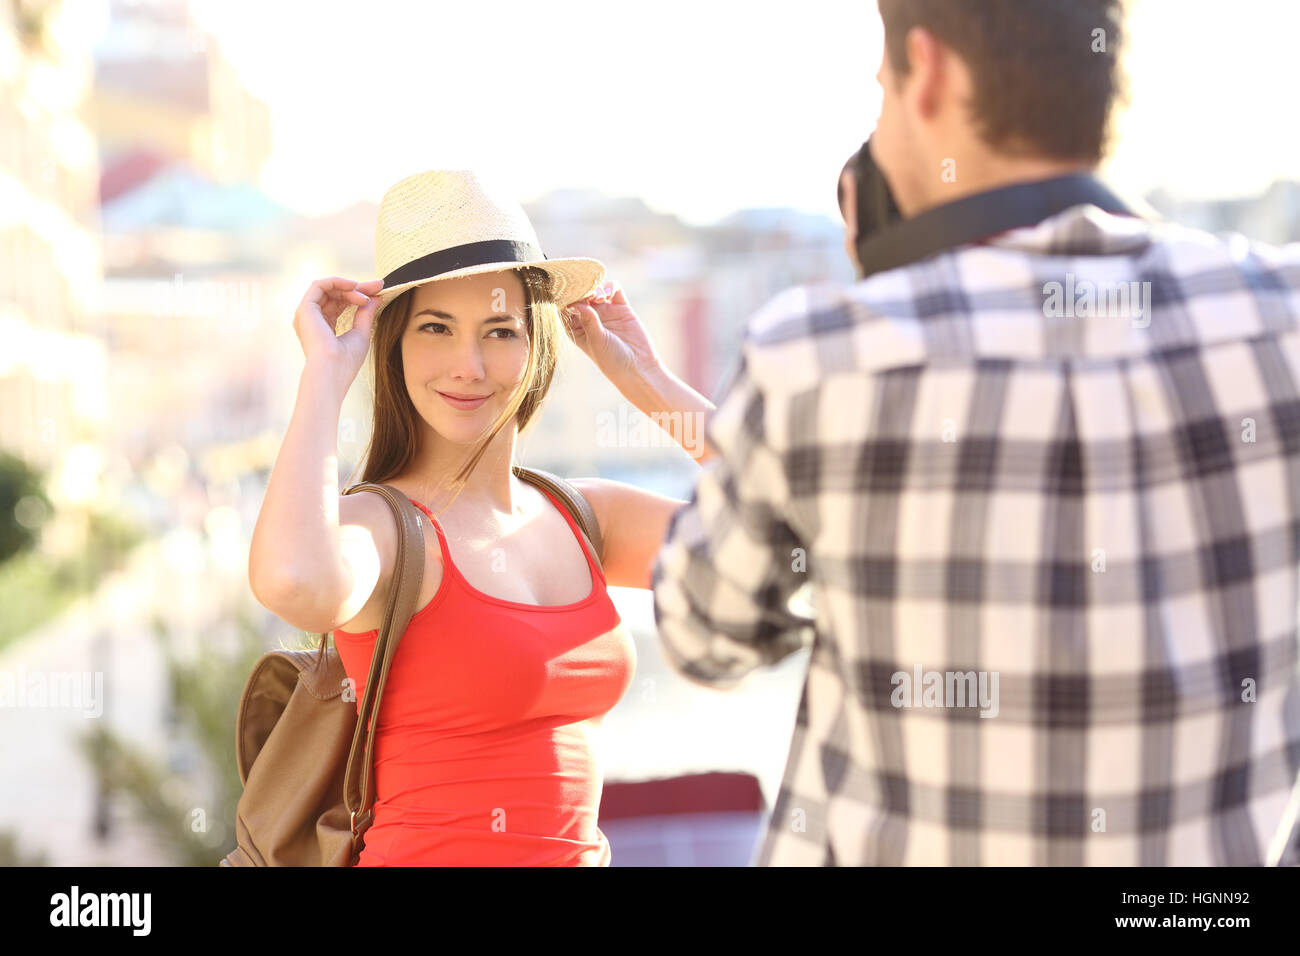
(875, 205)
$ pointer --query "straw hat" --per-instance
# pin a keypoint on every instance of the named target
(442, 224)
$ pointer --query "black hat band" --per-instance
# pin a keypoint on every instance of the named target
(459, 257)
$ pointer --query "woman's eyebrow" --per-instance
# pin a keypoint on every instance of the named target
(499, 317)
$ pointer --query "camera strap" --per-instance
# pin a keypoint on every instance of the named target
(981, 216)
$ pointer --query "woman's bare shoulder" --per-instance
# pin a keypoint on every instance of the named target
(368, 510)
(368, 528)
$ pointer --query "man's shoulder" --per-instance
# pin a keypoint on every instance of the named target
(807, 332)
(810, 308)
(994, 300)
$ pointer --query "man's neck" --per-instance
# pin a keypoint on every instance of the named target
(980, 179)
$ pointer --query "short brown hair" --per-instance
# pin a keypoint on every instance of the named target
(1039, 87)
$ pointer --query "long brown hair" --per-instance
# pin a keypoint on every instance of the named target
(394, 434)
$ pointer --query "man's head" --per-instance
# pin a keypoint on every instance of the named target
(978, 95)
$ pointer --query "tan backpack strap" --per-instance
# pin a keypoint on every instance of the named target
(402, 598)
(578, 505)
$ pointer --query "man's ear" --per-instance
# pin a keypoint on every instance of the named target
(926, 61)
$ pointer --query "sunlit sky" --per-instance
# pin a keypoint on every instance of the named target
(700, 107)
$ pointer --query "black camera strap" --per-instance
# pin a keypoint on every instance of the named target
(972, 218)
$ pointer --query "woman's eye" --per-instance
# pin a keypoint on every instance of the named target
(440, 327)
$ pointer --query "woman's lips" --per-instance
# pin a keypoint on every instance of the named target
(462, 403)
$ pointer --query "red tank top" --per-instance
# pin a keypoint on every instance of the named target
(485, 747)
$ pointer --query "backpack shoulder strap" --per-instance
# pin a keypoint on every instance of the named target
(578, 505)
(402, 598)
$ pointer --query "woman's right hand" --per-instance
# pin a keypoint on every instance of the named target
(315, 322)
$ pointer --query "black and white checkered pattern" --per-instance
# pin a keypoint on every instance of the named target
(1098, 508)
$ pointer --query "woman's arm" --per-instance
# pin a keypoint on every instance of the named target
(294, 557)
(672, 405)
(605, 327)
(297, 564)
(633, 523)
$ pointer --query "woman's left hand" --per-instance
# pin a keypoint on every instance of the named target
(606, 328)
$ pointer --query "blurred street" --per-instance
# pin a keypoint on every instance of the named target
(49, 793)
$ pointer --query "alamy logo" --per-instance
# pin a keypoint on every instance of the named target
(631, 430)
(102, 909)
(83, 690)
(946, 689)
(1085, 299)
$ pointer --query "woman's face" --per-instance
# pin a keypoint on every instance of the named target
(466, 338)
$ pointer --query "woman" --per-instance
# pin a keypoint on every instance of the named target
(483, 752)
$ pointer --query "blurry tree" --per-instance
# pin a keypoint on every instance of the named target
(19, 524)
(31, 20)
(34, 586)
(190, 809)
(12, 855)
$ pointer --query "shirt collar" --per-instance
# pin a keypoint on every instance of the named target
(982, 216)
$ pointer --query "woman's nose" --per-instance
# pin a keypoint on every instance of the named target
(468, 363)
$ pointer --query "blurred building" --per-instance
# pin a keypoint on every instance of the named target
(184, 304)
(191, 247)
(52, 364)
(163, 86)
(1272, 217)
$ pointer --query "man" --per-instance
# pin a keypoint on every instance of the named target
(1040, 465)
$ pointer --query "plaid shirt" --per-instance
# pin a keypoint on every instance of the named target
(1052, 549)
